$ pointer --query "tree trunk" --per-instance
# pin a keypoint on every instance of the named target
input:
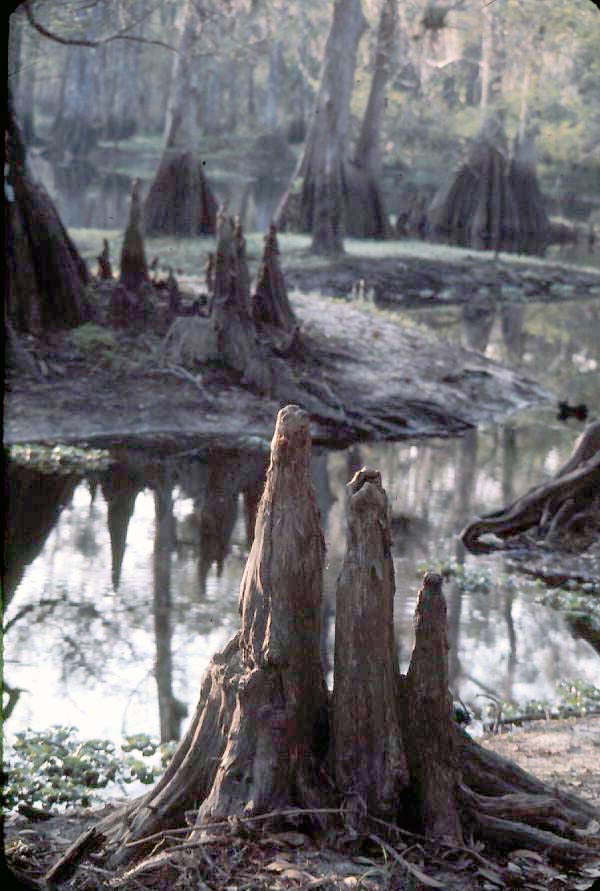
(427, 715)
(134, 268)
(256, 739)
(180, 201)
(320, 204)
(78, 124)
(366, 215)
(493, 60)
(46, 278)
(479, 209)
(260, 737)
(534, 225)
(564, 510)
(271, 113)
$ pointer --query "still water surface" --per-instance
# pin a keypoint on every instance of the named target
(131, 581)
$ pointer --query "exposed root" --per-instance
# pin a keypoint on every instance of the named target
(564, 510)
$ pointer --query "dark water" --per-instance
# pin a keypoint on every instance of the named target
(91, 198)
(122, 583)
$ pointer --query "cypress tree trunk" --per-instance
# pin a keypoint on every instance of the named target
(180, 200)
(319, 208)
(369, 756)
(366, 214)
(134, 268)
(260, 737)
(45, 276)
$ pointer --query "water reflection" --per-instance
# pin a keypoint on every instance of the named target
(121, 584)
(177, 602)
(91, 197)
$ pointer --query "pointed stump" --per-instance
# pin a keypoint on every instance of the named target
(260, 729)
(134, 268)
(369, 756)
(427, 713)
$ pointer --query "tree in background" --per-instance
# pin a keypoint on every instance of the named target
(45, 276)
(319, 208)
(180, 201)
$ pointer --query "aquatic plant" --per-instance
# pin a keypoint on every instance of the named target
(53, 767)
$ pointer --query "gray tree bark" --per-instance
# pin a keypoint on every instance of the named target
(322, 165)
(366, 214)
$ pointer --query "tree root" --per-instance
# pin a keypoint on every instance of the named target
(553, 509)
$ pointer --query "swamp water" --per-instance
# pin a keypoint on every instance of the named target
(123, 582)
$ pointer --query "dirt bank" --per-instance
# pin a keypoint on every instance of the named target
(403, 381)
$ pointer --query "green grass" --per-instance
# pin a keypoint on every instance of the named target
(187, 256)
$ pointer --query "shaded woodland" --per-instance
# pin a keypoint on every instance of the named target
(400, 119)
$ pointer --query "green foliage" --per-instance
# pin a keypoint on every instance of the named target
(59, 458)
(92, 338)
(53, 767)
(574, 697)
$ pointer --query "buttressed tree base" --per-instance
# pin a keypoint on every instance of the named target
(268, 736)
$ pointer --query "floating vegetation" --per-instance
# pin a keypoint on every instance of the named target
(575, 698)
(54, 767)
(59, 458)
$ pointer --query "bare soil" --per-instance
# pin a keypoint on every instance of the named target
(405, 381)
(564, 753)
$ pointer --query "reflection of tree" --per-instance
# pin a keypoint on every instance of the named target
(120, 487)
(215, 486)
(33, 504)
(511, 665)
(478, 320)
(509, 461)
(466, 471)
(171, 711)
(512, 316)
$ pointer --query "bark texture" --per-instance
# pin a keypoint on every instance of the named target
(259, 740)
(427, 713)
(369, 754)
(493, 202)
(259, 730)
(564, 511)
(534, 224)
(479, 209)
(45, 276)
(319, 206)
(180, 200)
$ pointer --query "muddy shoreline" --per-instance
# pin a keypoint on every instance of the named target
(404, 381)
